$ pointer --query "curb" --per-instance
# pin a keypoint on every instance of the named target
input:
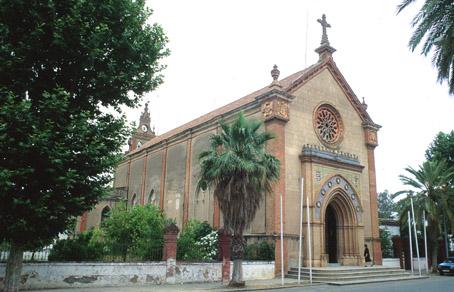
(264, 287)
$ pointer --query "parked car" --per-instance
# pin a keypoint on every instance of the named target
(446, 267)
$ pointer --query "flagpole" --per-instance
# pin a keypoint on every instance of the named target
(301, 231)
(282, 247)
(425, 240)
(309, 243)
(411, 245)
(416, 235)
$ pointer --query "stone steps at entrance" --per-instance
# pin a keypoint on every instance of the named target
(352, 275)
(342, 283)
(347, 272)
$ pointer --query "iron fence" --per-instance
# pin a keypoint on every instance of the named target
(29, 256)
(122, 255)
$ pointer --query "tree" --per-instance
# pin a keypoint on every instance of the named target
(85, 246)
(62, 63)
(240, 171)
(136, 232)
(435, 24)
(431, 193)
(386, 243)
(386, 205)
(442, 148)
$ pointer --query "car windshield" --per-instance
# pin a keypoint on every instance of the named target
(449, 261)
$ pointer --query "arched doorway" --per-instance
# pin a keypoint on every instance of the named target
(340, 223)
(331, 235)
(338, 209)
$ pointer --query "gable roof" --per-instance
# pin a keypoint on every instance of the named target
(289, 84)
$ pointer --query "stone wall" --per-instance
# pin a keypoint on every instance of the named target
(299, 131)
(72, 275)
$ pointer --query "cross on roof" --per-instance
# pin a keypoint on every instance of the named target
(324, 24)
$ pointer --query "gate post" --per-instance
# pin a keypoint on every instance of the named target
(169, 253)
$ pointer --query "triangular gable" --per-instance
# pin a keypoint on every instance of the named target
(340, 79)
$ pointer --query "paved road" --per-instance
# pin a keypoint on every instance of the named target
(432, 284)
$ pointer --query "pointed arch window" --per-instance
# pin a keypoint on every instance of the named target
(152, 198)
(105, 213)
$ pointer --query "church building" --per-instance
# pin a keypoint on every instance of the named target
(324, 137)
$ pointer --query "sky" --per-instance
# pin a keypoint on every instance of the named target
(224, 50)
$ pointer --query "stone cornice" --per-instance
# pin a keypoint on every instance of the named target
(371, 125)
(276, 92)
(334, 158)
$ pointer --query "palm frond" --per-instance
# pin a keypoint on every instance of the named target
(434, 26)
(403, 5)
(238, 169)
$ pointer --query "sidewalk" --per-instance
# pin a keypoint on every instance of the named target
(205, 287)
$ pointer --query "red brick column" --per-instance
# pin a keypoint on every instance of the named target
(370, 132)
(187, 179)
(170, 242)
(275, 111)
(225, 240)
(169, 253)
(277, 148)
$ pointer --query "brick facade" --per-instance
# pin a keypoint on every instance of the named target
(288, 108)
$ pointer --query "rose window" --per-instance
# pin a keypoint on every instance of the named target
(328, 125)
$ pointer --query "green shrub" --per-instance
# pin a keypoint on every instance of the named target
(136, 233)
(386, 243)
(197, 241)
(262, 251)
(86, 246)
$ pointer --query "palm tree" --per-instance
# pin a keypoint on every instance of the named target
(240, 171)
(432, 193)
(435, 23)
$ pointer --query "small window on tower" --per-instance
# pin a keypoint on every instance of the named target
(139, 145)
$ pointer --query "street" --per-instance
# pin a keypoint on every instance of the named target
(433, 284)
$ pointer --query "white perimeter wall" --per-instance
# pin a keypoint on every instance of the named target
(67, 275)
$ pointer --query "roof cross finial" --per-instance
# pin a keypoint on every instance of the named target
(324, 24)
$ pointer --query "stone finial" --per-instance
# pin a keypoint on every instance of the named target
(145, 116)
(364, 104)
(324, 24)
(275, 74)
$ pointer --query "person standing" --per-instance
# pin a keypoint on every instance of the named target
(367, 255)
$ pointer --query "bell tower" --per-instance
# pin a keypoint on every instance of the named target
(143, 133)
